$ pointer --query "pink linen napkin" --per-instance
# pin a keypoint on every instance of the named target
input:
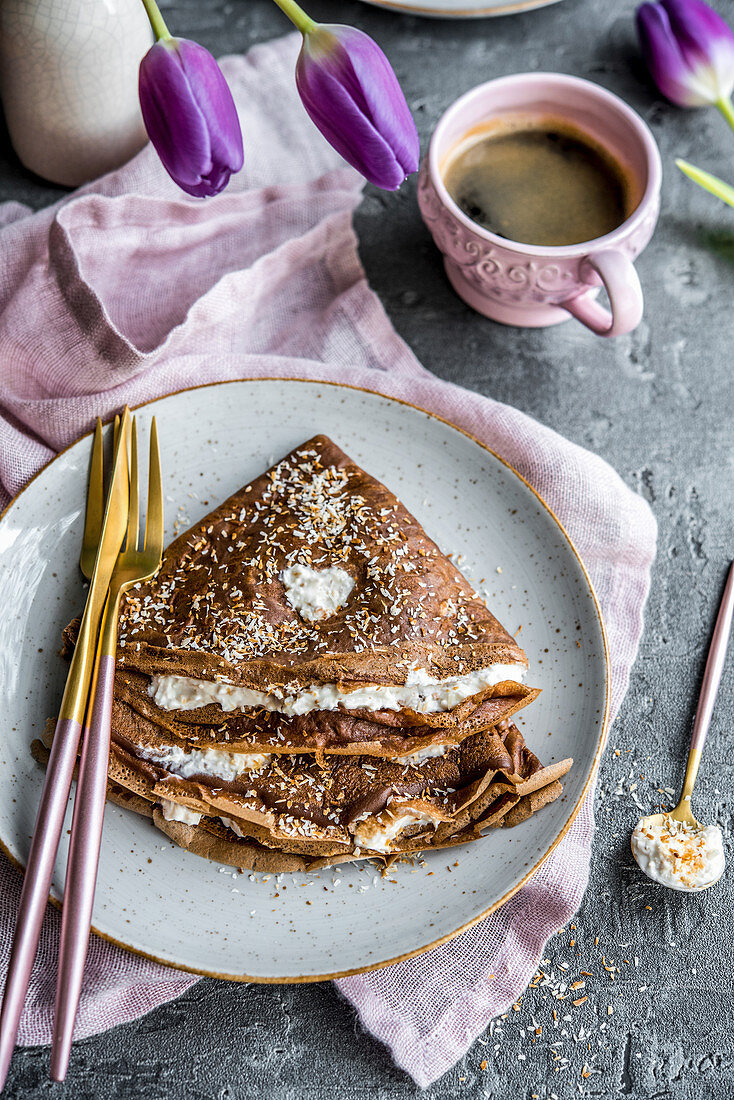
(127, 290)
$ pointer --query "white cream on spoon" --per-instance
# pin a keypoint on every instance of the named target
(677, 854)
(674, 848)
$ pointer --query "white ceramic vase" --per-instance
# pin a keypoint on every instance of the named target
(69, 84)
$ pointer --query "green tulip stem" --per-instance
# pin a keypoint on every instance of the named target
(160, 30)
(297, 15)
(727, 110)
(712, 184)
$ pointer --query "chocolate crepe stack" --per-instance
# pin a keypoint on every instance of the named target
(308, 680)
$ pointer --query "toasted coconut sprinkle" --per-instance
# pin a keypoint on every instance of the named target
(315, 517)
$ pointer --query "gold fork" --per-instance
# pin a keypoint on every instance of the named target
(57, 781)
(135, 563)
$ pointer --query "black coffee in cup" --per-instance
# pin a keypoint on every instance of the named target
(538, 182)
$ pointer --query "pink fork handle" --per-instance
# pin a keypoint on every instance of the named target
(620, 280)
(81, 871)
(37, 882)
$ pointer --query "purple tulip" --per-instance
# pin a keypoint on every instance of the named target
(689, 50)
(352, 95)
(190, 115)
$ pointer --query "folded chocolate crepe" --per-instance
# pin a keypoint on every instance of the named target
(308, 676)
(342, 808)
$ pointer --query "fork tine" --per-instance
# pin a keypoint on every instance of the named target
(133, 520)
(154, 514)
(95, 504)
(115, 434)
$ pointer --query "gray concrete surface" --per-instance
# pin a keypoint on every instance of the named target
(659, 406)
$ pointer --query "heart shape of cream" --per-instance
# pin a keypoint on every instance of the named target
(316, 593)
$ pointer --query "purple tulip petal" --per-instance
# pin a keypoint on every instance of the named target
(353, 97)
(384, 97)
(706, 43)
(215, 102)
(347, 128)
(689, 50)
(663, 56)
(172, 117)
(190, 116)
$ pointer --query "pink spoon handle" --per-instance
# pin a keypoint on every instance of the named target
(709, 689)
(714, 664)
(37, 882)
(81, 872)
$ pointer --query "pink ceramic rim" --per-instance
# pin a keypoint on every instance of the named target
(588, 88)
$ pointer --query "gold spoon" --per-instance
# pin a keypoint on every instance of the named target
(674, 848)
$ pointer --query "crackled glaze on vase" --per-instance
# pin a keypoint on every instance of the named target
(69, 84)
(535, 286)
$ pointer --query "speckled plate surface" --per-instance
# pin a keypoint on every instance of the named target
(161, 901)
(461, 9)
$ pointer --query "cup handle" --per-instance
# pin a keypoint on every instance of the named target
(622, 284)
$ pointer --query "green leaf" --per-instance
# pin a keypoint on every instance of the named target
(717, 187)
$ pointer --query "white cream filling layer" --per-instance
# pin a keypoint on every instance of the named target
(214, 762)
(420, 693)
(680, 856)
(316, 593)
(173, 812)
(428, 753)
(376, 832)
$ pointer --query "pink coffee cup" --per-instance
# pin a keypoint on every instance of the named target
(537, 285)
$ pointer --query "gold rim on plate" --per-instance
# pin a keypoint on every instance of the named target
(301, 978)
(463, 13)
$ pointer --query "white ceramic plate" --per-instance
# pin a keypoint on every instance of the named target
(176, 907)
(461, 9)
